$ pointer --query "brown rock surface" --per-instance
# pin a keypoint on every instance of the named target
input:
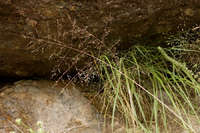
(31, 31)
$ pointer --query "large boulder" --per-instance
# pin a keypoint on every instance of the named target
(59, 106)
(59, 110)
(32, 31)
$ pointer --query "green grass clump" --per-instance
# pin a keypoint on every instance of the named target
(21, 124)
(149, 89)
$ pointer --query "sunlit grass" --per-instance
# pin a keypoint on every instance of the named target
(147, 88)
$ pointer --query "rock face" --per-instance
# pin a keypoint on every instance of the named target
(60, 110)
(34, 101)
(32, 31)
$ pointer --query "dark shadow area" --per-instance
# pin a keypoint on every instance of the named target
(10, 80)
